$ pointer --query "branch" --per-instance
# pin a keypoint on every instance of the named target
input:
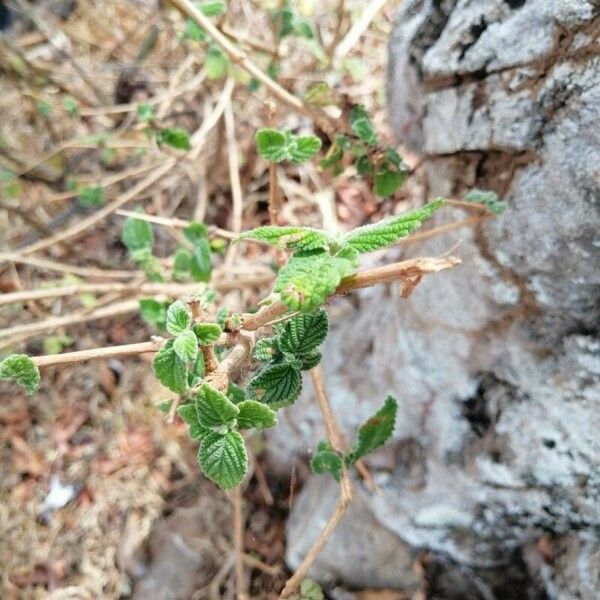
(329, 125)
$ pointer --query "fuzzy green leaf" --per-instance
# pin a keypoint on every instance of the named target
(137, 234)
(201, 261)
(255, 415)
(303, 148)
(214, 408)
(375, 432)
(310, 361)
(213, 8)
(387, 181)
(176, 137)
(304, 333)
(189, 414)
(311, 590)
(186, 345)
(389, 231)
(271, 144)
(154, 312)
(361, 125)
(276, 385)
(291, 238)
(306, 281)
(207, 333)
(195, 232)
(488, 199)
(198, 370)
(326, 460)
(178, 317)
(223, 458)
(265, 349)
(21, 369)
(235, 393)
(169, 369)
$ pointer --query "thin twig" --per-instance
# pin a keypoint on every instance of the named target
(345, 489)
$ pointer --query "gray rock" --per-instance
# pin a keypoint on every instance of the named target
(497, 363)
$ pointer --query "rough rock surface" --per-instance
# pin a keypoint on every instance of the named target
(495, 464)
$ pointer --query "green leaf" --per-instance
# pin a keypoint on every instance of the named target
(276, 385)
(207, 333)
(310, 590)
(186, 345)
(361, 125)
(265, 349)
(21, 369)
(137, 234)
(389, 231)
(216, 63)
(193, 31)
(488, 199)
(304, 333)
(320, 94)
(182, 264)
(310, 361)
(223, 458)
(214, 408)
(91, 195)
(202, 261)
(169, 369)
(326, 460)
(277, 146)
(154, 312)
(145, 112)
(255, 415)
(213, 8)
(387, 183)
(235, 393)
(306, 281)
(303, 148)
(195, 232)
(291, 238)
(271, 144)
(178, 317)
(176, 137)
(375, 432)
(189, 414)
(197, 372)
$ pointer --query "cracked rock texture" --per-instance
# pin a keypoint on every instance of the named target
(494, 468)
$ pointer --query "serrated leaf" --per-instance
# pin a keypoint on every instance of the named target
(223, 458)
(255, 415)
(303, 148)
(176, 137)
(137, 234)
(189, 414)
(291, 238)
(361, 125)
(276, 385)
(375, 432)
(304, 333)
(389, 231)
(202, 261)
(22, 370)
(310, 361)
(216, 63)
(214, 408)
(178, 317)
(387, 182)
(306, 281)
(169, 369)
(488, 199)
(271, 144)
(207, 333)
(326, 460)
(235, 393)
(186, 345)
(265, 349)
(153, 312)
